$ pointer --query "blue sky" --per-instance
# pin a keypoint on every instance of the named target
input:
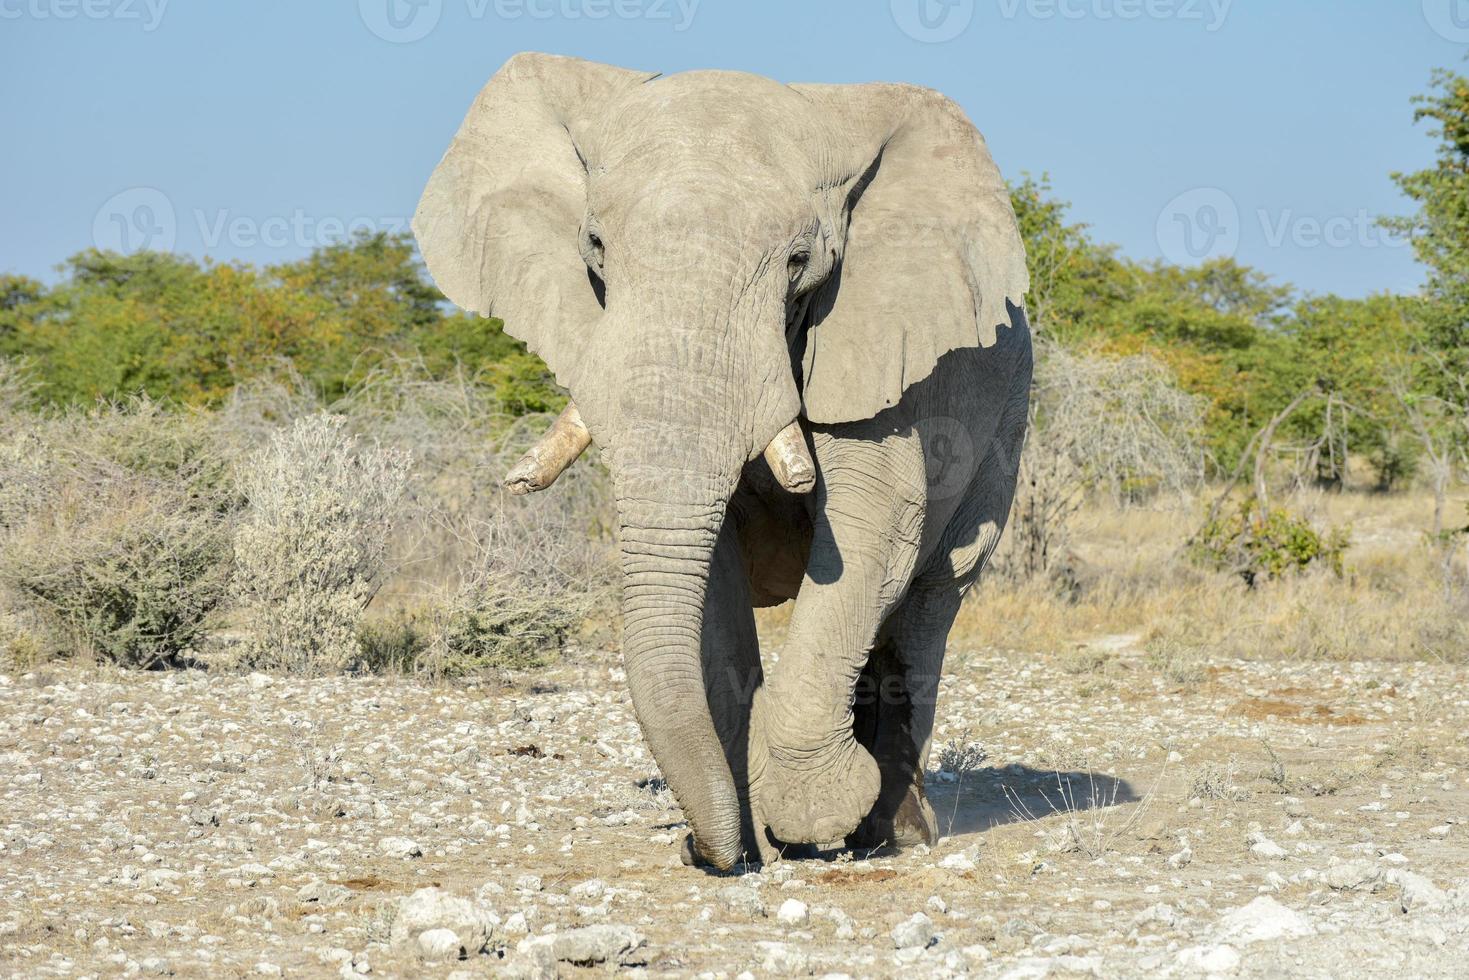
(1178, 128)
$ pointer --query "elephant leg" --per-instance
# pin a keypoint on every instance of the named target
(896, 698)
(730, 654)
(896, 720)
(814, 781)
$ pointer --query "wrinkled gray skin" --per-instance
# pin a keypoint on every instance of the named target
(702, 259)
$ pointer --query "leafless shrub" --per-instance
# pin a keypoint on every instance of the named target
(1118, 426)
(310, 550)
(960, 757)
(534, 573)
(257, 408)
(1218, 781)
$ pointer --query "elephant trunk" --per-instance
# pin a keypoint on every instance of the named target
(667, 547)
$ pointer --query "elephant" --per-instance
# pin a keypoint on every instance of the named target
(792, 319)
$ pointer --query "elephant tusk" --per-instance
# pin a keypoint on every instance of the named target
(790, 460)
(567, 439)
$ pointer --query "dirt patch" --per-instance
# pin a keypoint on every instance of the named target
(1260, 709)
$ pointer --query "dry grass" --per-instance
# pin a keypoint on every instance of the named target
(1399, 599)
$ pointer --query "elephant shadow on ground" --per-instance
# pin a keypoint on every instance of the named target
(980, 799)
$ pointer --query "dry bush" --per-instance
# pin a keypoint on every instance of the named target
(1117, 427)
(528, 589)
(488, 580)
(16, 392)
(311, 546)
(476, 578)
(114, 533)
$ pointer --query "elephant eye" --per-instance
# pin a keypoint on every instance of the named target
(595, 251)
(797, 263)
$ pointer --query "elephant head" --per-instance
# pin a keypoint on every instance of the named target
(702, 259)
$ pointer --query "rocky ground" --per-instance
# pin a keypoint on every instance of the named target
(1109, 815)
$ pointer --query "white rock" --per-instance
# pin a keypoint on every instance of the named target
(916, 932)
(601, 943)
(793, 912)
(1263, 919)
(400, 847)
(782, 960)
(1417, 891)
(589, 890)
(742, 899)
(1268, 849)
(1356, 873)
(959, 863)
(430, 909)
(439, 944)
(1210, 959)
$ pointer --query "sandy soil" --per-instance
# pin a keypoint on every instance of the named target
(1108, 818)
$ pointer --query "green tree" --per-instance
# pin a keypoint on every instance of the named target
(1440, 229)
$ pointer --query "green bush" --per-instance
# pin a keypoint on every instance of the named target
(1261, 542)
(114, 532)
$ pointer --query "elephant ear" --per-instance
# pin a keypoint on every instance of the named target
(933, 260)
(499, 221)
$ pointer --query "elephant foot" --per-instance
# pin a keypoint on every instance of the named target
(806, 805)
(911, 823)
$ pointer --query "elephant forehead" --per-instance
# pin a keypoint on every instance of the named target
(757, 126)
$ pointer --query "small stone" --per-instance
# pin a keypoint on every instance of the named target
(916, 932)
(1209, 959)
(1162, 913)
(203, 817)
(586, 946)
(430, 909)
(742, 899)
(1262, 846)
(782, 960)
(439, 944)
(399, 847)
(1418, 892)
(793, 912)
(323, 893)
(1441, 831)
(1356, 873)
(589, 890)
(959, 863)
(1263, 919)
